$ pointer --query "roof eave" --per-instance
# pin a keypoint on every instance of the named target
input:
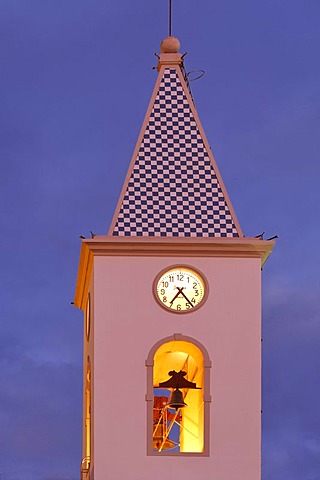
(108, 245)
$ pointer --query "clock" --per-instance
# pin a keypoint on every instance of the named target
(180, 289)
(87, 318)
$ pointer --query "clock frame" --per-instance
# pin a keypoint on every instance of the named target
(180, 289)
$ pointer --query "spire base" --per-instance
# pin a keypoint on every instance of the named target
(169, 59)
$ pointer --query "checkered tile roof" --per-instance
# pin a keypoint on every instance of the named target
(173, 189)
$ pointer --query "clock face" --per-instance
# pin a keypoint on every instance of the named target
(180, 289)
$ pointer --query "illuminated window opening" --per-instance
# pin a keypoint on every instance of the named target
(183, 430)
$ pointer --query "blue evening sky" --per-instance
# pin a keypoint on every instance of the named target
(76, 78)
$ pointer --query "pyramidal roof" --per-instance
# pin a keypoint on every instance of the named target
(173, 187)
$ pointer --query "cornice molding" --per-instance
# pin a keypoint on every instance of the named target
(163, 247)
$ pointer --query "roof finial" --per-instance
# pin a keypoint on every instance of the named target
(170, 44)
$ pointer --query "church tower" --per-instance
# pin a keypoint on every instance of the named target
(172, 307)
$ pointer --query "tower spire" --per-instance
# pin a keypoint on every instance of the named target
(173, 187)
(170, 18)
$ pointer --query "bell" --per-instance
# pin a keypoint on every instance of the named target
(176, 400)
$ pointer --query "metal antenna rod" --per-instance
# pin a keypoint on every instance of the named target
(170, 18)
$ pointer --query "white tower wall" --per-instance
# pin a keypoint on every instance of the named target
(128, 322)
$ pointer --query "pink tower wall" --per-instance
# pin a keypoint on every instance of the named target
(128, 322)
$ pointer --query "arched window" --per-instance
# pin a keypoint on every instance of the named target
(178, 413)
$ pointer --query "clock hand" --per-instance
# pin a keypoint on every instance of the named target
(186, 298)
(179, 291)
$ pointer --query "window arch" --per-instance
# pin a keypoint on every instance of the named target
(178, 431)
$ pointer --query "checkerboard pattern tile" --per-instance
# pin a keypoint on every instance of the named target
(173, 190)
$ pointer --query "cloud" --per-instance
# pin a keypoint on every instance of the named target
(291, 386)
(41, 412)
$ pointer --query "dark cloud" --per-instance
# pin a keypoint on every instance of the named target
(291, 387)
(37, 408)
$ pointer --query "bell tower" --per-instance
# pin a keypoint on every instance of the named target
(172, 308)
